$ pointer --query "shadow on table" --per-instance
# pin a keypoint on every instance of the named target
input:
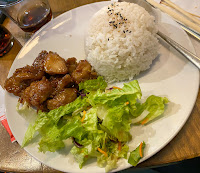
(186, 166)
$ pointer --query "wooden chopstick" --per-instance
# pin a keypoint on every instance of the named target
(176, 16)
(164, 3)
(194, 15)
(182, 11)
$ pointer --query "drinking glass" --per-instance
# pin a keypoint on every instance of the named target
(6, 41)
(29, 15)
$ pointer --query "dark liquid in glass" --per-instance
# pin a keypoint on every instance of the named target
(5, 40)
(34, 18)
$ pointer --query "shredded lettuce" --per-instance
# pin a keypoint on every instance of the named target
(90, 120)
(114, 109)
(73, 128)
(117, 121)
(91, 143)
(45, 120)
(93, 85)
(135, 156)
(80, 155)
(33, 128)
(130, 92)
(51, 141)
(155, 105)
(100, 122)
(110, 161)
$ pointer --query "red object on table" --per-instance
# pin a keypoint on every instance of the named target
(5, 124)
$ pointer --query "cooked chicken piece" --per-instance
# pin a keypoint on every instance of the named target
(39, 61)
(66, 96)
(37, 93)
(44, 85)
(54, 80)
(16, 86)
(66, 81)
(22, 77)
(54, 64)
(82, 72)
(71, 64)
(93, 74)
(28, 73)
(59, 82)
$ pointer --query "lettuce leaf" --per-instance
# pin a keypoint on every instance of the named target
(91, 142)
(117, 121)
(73, 128)
(113, 108)
(155, 105)
(33, 128)
(90, 120)
(51, 141)
(130, 92)
(135, 157)
(114, 156)
(79, 104)
(45, 120)
(93, 85)
(54, 135)
(80, 155)
(110, 161)
(100, 122)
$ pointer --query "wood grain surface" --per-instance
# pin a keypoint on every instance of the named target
(14, 159)
(7, 60)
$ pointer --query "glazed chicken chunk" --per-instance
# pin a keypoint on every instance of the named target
(82, 72)
(59, 83)
(66, 81)
(15, 86)
(68, 95)
(39, 61)
(71, 64)
(22, 77)
(54, 64)
(37, 93)
(50, 82)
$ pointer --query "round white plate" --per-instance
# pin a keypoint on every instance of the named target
(170, 75)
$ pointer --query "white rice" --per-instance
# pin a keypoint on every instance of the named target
(117, 55)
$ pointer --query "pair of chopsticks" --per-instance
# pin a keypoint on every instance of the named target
(188, 21)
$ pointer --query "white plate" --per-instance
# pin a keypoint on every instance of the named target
(170, 75)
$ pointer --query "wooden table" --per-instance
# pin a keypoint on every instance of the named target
(14, 159)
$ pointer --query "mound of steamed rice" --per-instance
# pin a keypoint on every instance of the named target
(121, 41)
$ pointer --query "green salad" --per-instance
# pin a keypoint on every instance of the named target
(98, 122)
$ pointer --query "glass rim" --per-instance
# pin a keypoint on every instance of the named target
(9, 4)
